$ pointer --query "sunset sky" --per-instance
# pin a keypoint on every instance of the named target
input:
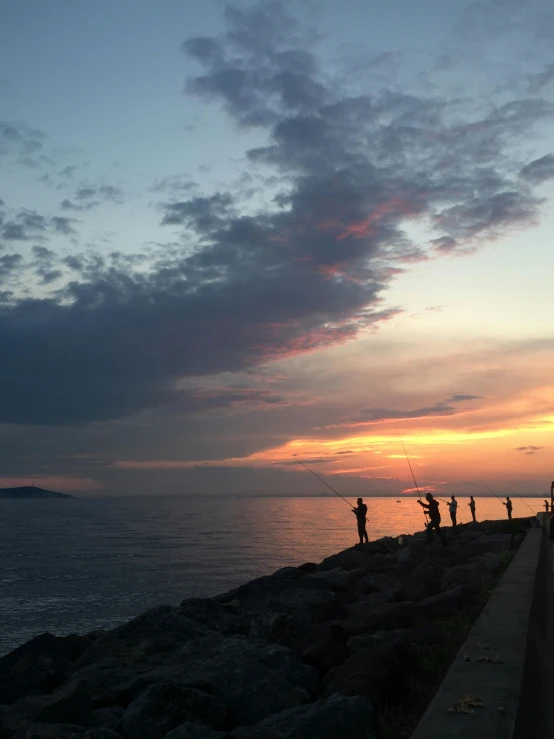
(235, 236)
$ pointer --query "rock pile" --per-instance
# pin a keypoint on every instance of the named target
(300, 654)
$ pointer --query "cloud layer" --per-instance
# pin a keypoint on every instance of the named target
(247, 285)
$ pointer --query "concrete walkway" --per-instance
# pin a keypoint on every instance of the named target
(511, 695)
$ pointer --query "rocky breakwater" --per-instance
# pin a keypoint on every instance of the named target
(308, 652)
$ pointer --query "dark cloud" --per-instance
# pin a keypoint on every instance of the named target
(539, 170)
(46, 265)
(384, 414)
(63, 225)
(306, 271)
(29, 225)
(176, 185)
(10, 265)
(461, 397)
(25, 226)
(528, 449)
(87, 197)
(17, 139)
(540, 80)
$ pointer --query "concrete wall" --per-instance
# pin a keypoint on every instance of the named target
(518, 625)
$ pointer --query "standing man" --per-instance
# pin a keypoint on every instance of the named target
(434, 518)
(471, 505)
(546, 506)
(509, 507)
(453, 508)
(361, 512)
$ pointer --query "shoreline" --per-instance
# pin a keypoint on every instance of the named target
(336, 638)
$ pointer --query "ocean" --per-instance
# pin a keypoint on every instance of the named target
(70, 566)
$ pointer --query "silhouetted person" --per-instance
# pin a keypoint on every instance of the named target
(546, 506)
(471, 505)
(509, 507)
(361, 513)
(453, 509)
(434, 518)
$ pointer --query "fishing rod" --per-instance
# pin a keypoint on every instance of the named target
(410, 466)
(325, 483)
(500, 499)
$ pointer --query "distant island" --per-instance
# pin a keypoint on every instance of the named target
(29, 491)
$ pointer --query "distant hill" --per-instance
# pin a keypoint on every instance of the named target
(31, 492)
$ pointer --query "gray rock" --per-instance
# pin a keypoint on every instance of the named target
(40, 665)
(429, 635)
(252, 679)
(195, 731)
(362, 555)
(108, 717)
(438, 605)
(373, 673)
(146, 638)
(471, 575)
(385, 616)
(377, 639)
(366, 604)
(403, 556)
(425, 580)
(340, 579)
(63, 731)
(326, 654)
(333, 718)
(273, 627)
(69, 705)
(377, 581)
(164, 706)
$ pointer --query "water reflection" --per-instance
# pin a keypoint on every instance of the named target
(76, 565)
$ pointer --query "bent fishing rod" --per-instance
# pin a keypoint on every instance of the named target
(325, 483)
(410, 466)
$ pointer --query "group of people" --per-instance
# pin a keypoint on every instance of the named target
(431, 510)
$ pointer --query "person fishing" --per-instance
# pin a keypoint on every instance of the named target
(471, 505)
(509, 507)
(361, 513)
(434, 518)
(546, 506)
(453, 510)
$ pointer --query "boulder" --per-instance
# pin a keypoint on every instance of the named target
(40, 665)
(307, 567)
(403, 556)
(442, 604)
(373, 673)
(377, 639)
(362, 555)
(384, 616)
(428, 635)
(252, 679)
(336, 716)
(275, 627)
(470, 575)
(377, 581)
(195, 731)
(340, 579)
(108, 717)
(164, 706)
(63, 731)
(145, 638)
(325, 654)
(368, 603)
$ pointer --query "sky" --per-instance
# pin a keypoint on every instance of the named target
(236, 236)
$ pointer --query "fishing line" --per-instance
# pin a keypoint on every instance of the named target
(410, 466)
(516, 498)
(325, 483)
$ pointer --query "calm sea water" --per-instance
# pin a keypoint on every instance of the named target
(75, 565)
